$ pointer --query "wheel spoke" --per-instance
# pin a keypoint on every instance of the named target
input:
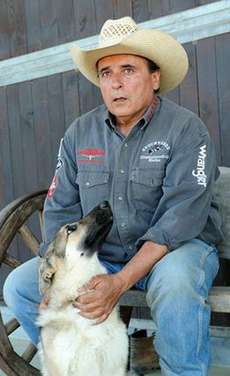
(30, 239)
(30, 352)
(11, 261)
(40, 214)
(11, 326)
(5, 345)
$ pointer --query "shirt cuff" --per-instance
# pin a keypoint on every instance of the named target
(156, 235)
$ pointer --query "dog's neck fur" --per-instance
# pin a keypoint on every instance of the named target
(70, 278)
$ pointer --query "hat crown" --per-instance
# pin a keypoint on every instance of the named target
(114, 31)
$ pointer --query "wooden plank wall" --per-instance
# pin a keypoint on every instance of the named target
(35, 114)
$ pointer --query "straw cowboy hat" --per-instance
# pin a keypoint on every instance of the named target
(123, 36)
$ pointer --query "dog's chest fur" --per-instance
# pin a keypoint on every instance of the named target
(72, 345)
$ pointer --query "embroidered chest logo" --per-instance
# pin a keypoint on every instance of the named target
(91, 155)
(199, 173)
(155, 151)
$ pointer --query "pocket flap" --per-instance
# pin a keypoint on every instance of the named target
(92, 178)
(149, 177)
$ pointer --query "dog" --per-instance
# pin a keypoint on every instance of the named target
(71, 345)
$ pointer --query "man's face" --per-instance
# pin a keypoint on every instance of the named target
(127, 86)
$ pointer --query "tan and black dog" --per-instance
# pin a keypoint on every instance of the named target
(71, 345)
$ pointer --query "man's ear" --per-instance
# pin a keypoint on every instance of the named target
(156, 79)
(45, 275)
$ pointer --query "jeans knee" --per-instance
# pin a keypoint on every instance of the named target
(22, 284)
(9, 290)
(176, 287)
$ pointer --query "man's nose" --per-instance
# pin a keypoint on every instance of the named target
(117, 81)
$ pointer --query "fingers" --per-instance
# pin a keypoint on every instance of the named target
(98, 315)
(98, 298)
(101, 319)
(90, 307)
(93, 309)
(87, 297)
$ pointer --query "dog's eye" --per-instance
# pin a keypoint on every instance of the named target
(71, 228)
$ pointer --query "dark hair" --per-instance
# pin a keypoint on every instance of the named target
(152, 67)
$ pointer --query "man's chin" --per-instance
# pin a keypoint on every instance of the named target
(120, 110)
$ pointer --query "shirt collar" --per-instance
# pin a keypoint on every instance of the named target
(149, 112)
(110, 118)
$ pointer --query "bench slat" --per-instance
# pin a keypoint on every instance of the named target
(219, 299)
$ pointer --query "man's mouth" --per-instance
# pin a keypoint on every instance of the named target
(119, 100)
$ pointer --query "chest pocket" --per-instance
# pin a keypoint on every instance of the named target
(93, 188)
(146, 188)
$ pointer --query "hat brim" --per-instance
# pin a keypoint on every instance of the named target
(161, 48)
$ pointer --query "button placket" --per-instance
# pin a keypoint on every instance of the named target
(121, 186)
(123, 164)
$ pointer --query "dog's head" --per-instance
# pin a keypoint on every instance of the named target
(74, 241)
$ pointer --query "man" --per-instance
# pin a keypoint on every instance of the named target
(154, 161)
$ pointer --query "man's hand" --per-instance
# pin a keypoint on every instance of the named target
(108, 288)
(99, 297)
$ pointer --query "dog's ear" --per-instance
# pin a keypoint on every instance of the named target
(59, 243)
(45, 275)
(48, 264)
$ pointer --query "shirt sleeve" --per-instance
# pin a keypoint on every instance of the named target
(62, 204)
(184, 207)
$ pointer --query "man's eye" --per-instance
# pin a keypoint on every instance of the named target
(105, 74)
(128, 71)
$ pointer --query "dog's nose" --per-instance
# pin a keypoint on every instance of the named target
(104, 205)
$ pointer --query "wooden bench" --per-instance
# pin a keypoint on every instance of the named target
(15, 219)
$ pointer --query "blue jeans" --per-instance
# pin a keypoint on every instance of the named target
(177, 290)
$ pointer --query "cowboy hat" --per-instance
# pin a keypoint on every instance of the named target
(123, 36)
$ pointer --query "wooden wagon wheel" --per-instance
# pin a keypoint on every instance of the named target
(12, 221)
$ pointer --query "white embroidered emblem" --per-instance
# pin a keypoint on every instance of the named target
(155, 151)
(199, 173)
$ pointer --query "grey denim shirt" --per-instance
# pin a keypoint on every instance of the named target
(158, 179)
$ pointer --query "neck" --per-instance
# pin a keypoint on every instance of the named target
(126, 123)
(125, 129)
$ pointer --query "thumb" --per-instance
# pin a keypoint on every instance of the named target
(101, 319)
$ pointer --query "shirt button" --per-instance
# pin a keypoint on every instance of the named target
(130, 247)
(122, 171)
(126, 144)
(122, 224)
(120, 198)
(87, 183)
